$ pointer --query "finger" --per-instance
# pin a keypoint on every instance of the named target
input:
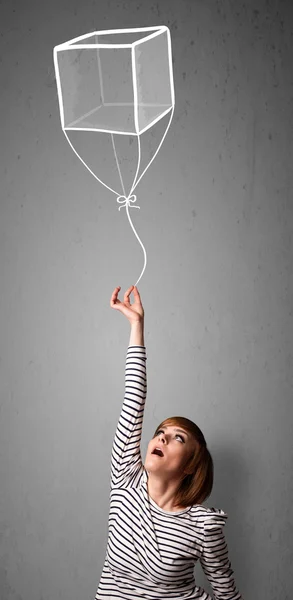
(136, 294)
(115, 295)
(127, 294)
(116, 290)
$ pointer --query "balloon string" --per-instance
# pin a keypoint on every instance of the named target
(126, 202)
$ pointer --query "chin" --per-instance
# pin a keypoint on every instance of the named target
(151, 468)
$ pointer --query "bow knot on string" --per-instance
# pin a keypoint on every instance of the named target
(127, 201)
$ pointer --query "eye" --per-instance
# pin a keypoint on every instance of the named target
(176, 435)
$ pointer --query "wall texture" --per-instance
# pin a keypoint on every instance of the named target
(216, 220)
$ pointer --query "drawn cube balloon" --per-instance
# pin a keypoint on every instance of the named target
(116, 100)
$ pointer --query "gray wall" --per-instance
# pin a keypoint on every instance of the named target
(216, 221)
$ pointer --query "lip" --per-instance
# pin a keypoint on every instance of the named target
(160, 448)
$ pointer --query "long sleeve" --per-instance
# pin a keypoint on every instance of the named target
(126, 455)
(215, 560)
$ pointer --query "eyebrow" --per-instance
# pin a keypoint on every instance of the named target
(177, 429)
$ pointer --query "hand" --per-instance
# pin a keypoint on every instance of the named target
(133, 313)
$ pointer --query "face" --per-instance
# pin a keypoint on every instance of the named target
(176, 445)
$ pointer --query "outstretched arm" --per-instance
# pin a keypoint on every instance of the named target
(126, 462)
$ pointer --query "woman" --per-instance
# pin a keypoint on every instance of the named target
(158, 528)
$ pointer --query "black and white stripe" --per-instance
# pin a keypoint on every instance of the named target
(151, 552)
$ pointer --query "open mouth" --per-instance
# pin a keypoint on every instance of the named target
(158, 452)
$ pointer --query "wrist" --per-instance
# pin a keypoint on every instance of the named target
(137, 322)
(136, 333)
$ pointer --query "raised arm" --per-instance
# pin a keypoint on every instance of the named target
(126, 463)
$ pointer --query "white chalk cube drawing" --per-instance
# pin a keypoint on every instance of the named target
(116, 99)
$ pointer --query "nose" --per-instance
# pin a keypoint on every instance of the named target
(162, 438)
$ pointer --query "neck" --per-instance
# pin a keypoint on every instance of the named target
(163, 492)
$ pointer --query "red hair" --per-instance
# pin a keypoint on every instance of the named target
(198, 476)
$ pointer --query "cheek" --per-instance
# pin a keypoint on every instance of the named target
(178, 454)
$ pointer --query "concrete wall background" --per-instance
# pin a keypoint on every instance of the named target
(216, 220)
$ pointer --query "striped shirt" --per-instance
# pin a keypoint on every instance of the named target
(151, 553)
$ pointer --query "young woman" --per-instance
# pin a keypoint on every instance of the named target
(158, 527)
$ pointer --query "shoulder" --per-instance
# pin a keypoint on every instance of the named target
(209, 518)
